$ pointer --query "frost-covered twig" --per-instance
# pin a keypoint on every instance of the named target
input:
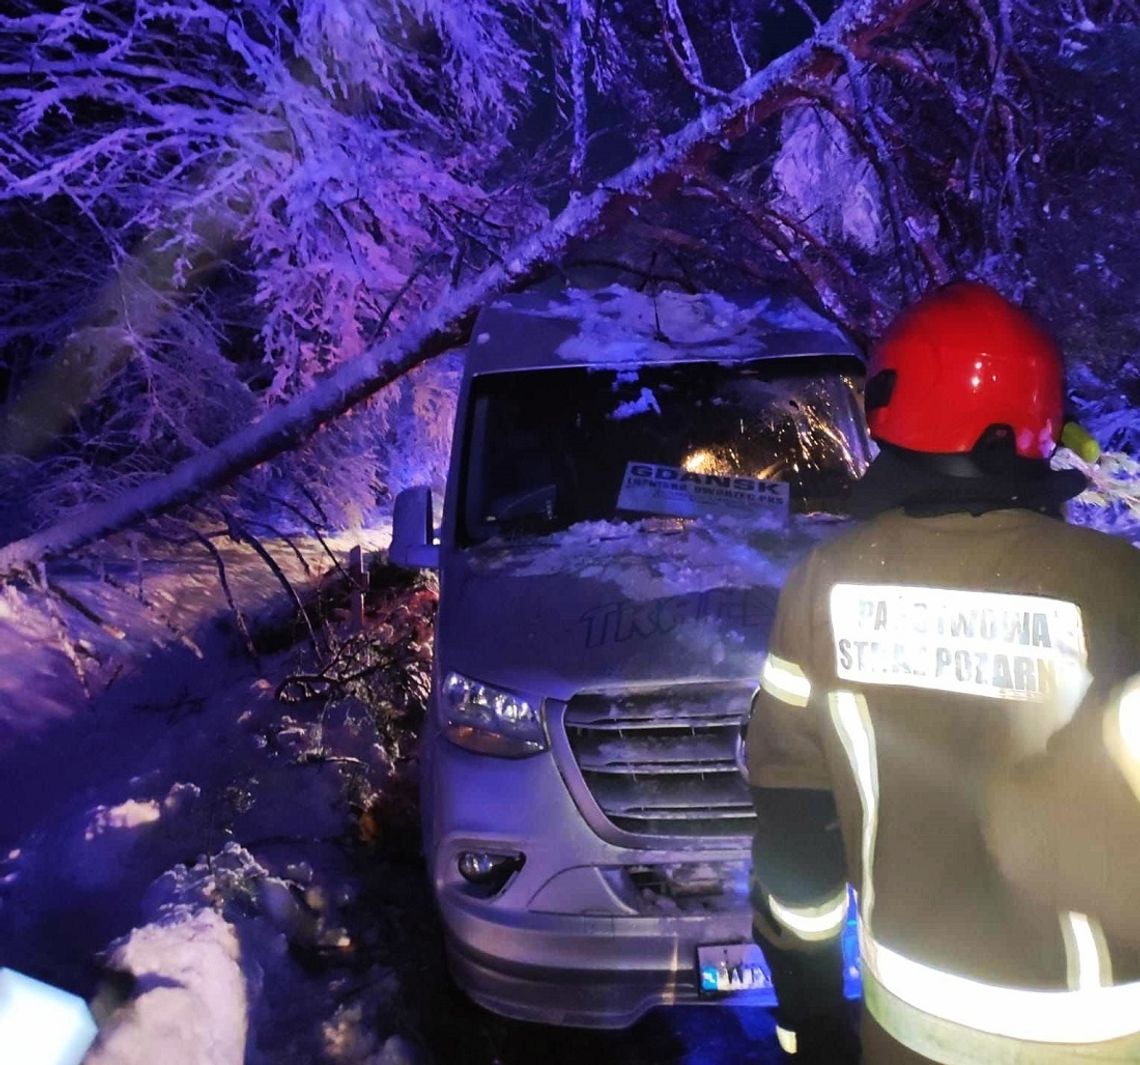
(59, 626)
(153, 610)
(910, 234)
(315, 529)
(812, 17)
(688, 64)
(84, 610)
(577, 50)
(223, 579)
(385, 668)
(261, 523)
(196, 156)
(996, 53)
(738, 45)
(240, 534)
(914, 62)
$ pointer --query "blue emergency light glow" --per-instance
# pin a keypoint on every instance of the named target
(737, 978)
(40, 1024)
(741, 967)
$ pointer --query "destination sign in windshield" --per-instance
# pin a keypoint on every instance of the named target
(673, 490)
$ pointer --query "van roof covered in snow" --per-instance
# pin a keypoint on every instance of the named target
(618, 326)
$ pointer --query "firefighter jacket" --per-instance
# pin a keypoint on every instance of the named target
(1064, 827)
(912, 663)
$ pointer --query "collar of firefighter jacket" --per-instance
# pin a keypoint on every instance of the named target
(926, 485)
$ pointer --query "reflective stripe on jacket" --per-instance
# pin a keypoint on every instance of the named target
(914, 661)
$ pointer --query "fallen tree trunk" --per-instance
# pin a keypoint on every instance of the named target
(853, 26)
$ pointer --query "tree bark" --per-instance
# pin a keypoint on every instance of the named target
(854, 25)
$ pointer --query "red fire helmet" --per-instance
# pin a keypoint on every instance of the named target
(962, 361)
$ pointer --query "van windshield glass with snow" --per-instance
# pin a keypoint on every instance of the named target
(548, 448)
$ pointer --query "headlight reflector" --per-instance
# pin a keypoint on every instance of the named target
(480, 717)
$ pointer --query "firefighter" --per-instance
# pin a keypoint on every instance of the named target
(913, 662)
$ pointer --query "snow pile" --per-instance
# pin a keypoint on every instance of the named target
(179, 823)
(129, 814)
(215, 979)
(98, 850)
(190, 1004)
(351, 1037)
(644, 403)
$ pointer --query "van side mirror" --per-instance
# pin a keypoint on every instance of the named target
(413, 536)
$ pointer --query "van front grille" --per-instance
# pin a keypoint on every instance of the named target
(662, 761)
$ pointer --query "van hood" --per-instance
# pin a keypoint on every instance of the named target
(604, 604)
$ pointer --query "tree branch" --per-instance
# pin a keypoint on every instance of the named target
(289, 425)
(240, 534)
(577, 93)
(689, 64)
(223, 578)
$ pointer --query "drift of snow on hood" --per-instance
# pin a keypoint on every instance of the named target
(616, 326)
(652, 557)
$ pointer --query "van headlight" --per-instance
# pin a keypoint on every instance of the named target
(480, 717)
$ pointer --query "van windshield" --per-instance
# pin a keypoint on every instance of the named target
(547, 448)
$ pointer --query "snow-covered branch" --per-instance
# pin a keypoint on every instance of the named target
(244, 190)
(577, 90)
(287, 426)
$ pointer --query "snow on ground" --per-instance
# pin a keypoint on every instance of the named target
(250, 866)
(193, 1007)
(184, 826)
(1112, 501)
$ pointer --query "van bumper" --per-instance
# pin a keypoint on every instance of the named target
(593, 972)
(588, 932)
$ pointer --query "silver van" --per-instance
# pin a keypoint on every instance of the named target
(631, 478)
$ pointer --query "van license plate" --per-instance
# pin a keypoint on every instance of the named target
(726, 967)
